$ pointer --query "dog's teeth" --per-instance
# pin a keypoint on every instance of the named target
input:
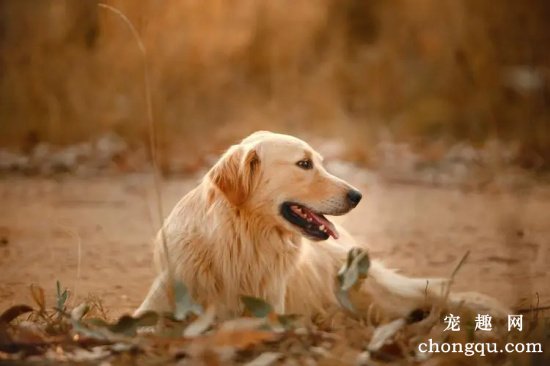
(309, 219)
(322, 227)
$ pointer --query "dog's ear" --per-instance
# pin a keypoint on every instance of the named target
(235, 173)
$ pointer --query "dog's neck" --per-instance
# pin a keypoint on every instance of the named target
(248, 226)
(241, 251)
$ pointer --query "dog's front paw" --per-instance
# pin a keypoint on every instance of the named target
(356, 268)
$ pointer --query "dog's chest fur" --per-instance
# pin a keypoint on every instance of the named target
(224, 255)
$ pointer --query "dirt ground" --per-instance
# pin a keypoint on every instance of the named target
(94, 234)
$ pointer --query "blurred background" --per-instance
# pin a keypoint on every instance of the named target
(438, 110)
(423, 81)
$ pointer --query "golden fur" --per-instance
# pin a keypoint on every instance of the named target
(227, 238)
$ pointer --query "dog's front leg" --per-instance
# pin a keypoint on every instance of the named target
(157, 298)
(279, 305)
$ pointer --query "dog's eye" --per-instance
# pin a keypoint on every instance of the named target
(305, 164)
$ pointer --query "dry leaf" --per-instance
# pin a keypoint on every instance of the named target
(256, 307)
(265, 359)
(13, 312)
(241, 339)
(201, 324)
(38, 296)
(383, 333)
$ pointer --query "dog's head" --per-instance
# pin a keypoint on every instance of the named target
(282, 178)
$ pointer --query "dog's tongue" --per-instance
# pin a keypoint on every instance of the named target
(321, 220)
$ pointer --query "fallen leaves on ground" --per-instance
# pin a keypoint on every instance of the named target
(192, 335)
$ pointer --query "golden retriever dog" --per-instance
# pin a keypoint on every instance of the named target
(256, 225)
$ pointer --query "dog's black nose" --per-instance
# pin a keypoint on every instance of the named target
(354, 197)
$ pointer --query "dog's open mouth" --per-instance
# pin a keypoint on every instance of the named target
(313, 224)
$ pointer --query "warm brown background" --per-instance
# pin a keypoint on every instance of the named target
(439, 110)
(427, 72)
(99, 243)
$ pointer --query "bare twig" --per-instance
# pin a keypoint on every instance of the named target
(530, 309)
(460, 264)
(152, 132)
(446, 291)
(453, 274)
(74, 233)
